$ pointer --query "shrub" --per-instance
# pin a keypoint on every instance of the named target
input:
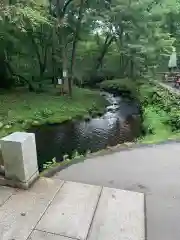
(125, 87)
(163, 100)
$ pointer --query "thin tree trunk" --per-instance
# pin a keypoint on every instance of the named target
(76, 36)
(107, 43)
(30, 85)
(41, 60)
(61, 10)
(53, 61)
(67, 88)
(54, 81)
(4, 83)
(172, 28)
(132, 68)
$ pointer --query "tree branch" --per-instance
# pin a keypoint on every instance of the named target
(76, 35)
(66, 6)
(9, 67)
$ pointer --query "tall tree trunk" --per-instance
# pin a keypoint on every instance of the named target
(6, 79)
(67, 88)
(109, 39)
(61, 11)
(42, 60)
(120, 46)
(132, 67)
(3, 71)
(75, 40)
(28, 82)
(172, 28)
(53, 60)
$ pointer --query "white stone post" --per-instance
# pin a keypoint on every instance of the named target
(1, 162)
(20, 159)
(1, 158)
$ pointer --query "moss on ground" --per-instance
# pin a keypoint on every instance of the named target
(20, 109)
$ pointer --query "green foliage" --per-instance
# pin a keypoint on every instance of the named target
(66, 159)
(120, 86)
(49, 164)
(165, 100)
(91, 41)
(155, 123)
(161, 113)
(40, 39)
(22, 109)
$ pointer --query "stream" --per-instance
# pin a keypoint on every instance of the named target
(120, 123)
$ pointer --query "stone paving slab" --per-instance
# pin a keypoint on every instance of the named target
(120, 215)
(71, 212)
(163, 218)
(20, 214)
(57, 210)
(153, 170)
(5, 193)
(39, 235)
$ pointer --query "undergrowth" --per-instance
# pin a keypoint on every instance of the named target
(161, 113)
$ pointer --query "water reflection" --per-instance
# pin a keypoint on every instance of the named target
(116, 126)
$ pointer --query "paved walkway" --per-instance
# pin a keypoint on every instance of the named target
(58, 210)
(170, 87)
(154, 171)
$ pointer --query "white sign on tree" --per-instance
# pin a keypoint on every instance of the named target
(59, 81)
(64, 73)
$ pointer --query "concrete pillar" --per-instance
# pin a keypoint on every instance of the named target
(1, 157)
(1, 162)
(20, 159)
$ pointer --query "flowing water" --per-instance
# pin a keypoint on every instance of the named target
(120, 123)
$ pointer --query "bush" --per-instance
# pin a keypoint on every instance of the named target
(125, 87)
(155, 126)
(162, 99)
(93, 80)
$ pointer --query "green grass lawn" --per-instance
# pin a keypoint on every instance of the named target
(155, 119)
(20, 109)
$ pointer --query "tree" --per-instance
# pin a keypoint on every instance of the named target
(24, 23)
(83, 39)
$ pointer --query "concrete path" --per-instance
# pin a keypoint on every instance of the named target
(154, 171)
(57, 210)
(170, 87)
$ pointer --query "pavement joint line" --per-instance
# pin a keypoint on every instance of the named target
(94, 213)
(63, 182)
(55, 234)
(13, 193)
(145, 219)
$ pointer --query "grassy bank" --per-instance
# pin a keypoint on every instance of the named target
(21, 109)
(160, 113)
(160, 108)
(157, 129)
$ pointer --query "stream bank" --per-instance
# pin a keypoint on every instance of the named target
(120, 123)
(21, 109)
(161, 113)
(159, 107)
